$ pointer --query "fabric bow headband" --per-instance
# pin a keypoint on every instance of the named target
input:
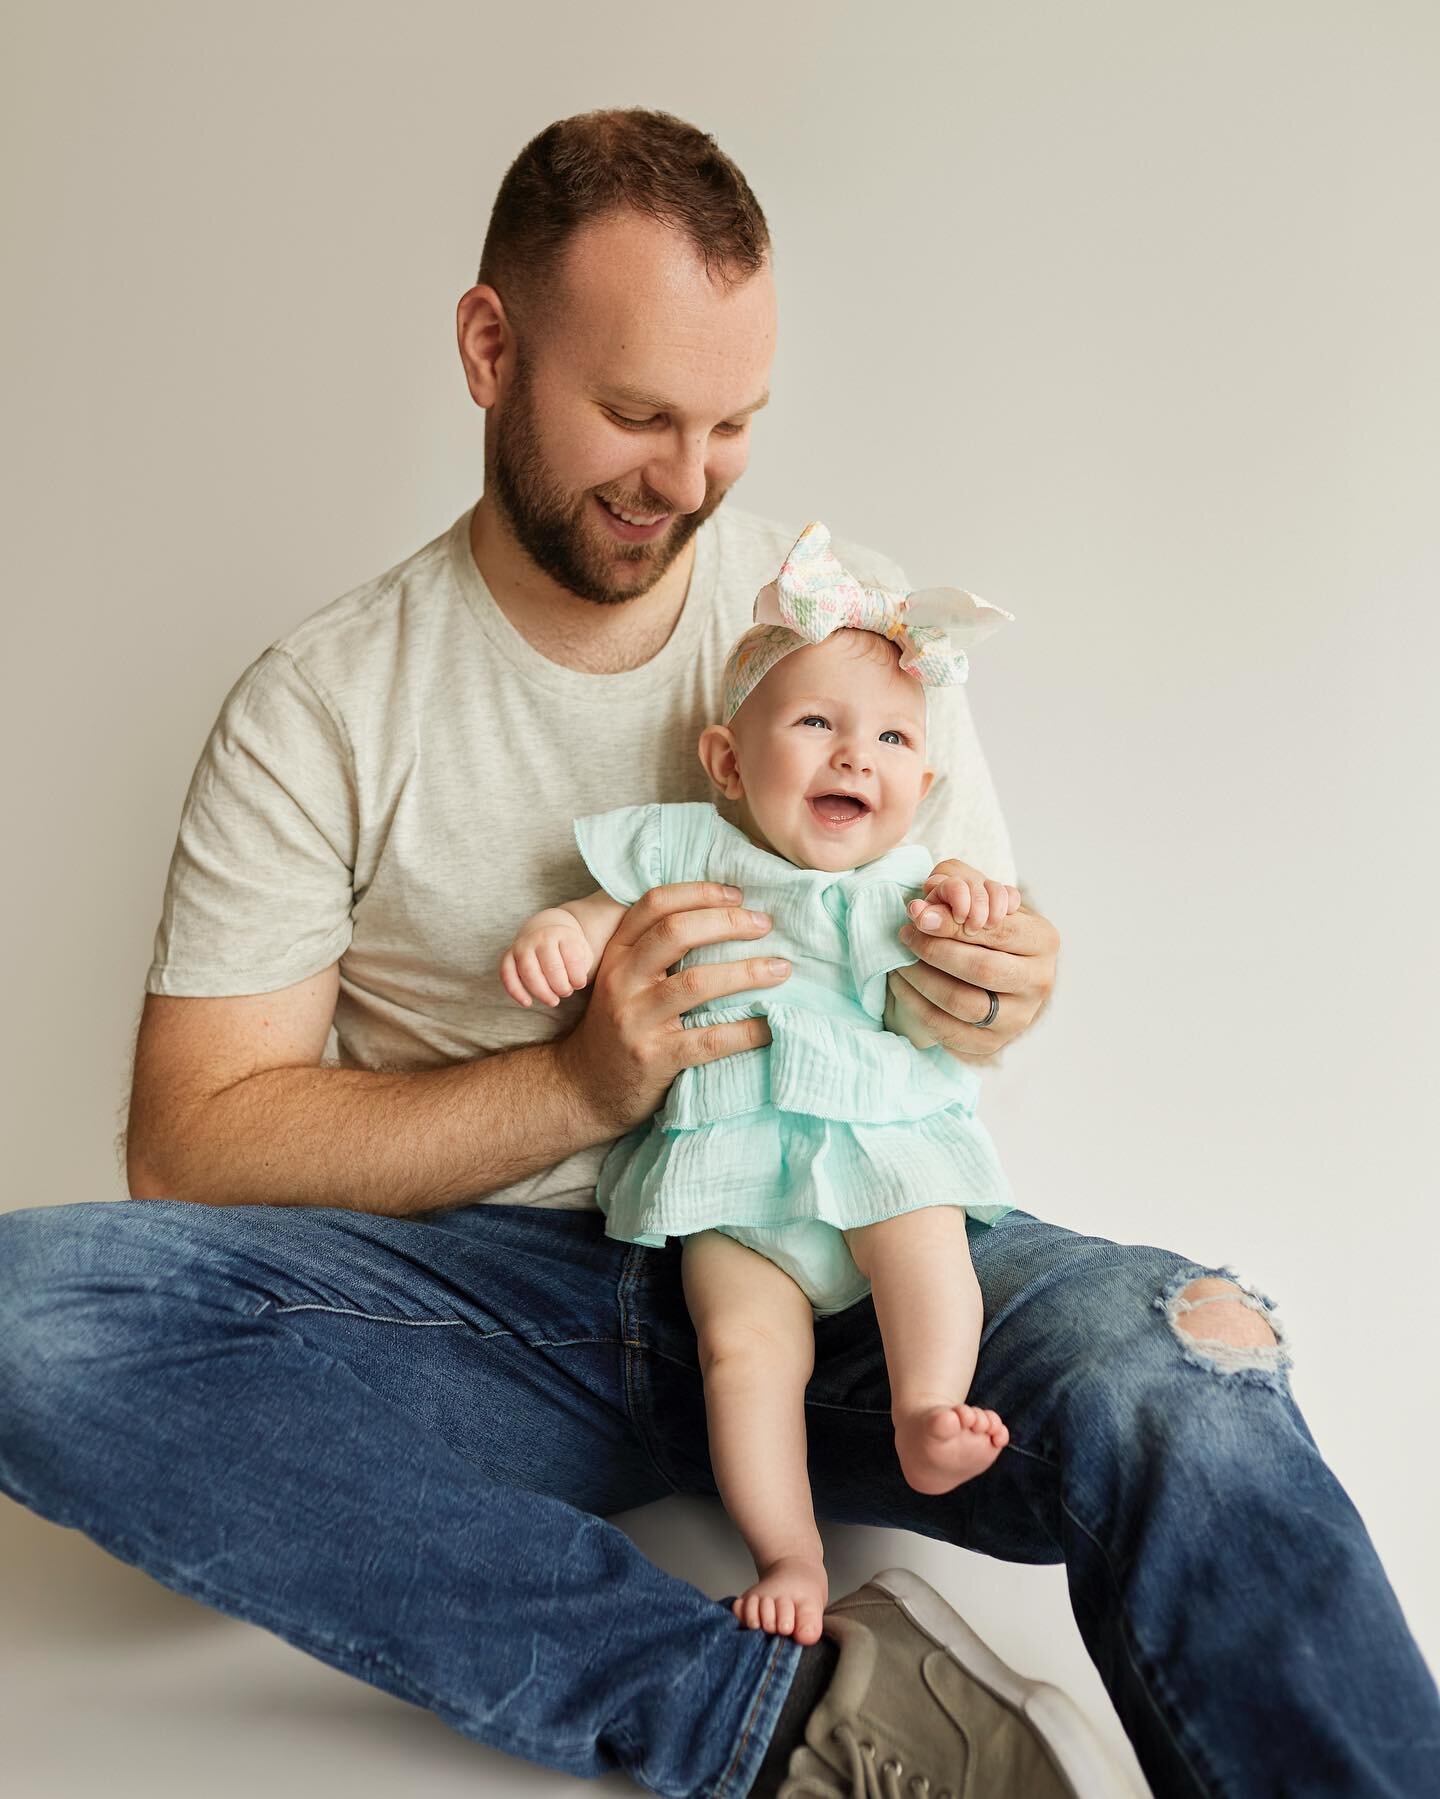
(813, 596)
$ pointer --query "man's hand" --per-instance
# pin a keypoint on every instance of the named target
(1011, 952)
(631, 1041)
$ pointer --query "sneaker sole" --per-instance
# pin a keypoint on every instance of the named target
(1080, 1758)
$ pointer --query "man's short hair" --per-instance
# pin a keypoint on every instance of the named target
(583, 168)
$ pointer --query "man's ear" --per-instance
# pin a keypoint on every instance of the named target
(719, 759)
(925, 780)
(487, 343)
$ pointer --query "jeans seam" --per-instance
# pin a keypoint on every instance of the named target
(749, 1724)
(385, 1318)
(831, 1405)
(1148, 1677)
(464, 1324)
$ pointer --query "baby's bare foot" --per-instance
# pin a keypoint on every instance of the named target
(788, 1599)
(942, 1445)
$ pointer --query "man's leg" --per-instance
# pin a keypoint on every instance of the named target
(386, 1441)
(1223, 1583)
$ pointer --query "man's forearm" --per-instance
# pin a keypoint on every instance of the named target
(376, 1142)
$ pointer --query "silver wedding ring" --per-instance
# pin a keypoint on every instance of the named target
(989, 1017)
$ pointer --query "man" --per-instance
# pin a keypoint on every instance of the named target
(357, 1362)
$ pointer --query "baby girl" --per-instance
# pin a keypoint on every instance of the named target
(837, 1160)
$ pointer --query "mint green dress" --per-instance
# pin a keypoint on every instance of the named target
(836, 1121)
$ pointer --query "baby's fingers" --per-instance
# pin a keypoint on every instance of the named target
(510, 979)
(944, 911)
(979, 915)
(576, 952)
(554, 965)
(999, 900)
(534, 979)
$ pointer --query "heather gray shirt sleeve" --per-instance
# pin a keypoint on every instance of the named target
(259, 890)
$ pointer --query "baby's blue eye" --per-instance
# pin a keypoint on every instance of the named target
(809, 715)
(895, 734)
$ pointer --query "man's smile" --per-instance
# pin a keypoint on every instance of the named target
(626, 530)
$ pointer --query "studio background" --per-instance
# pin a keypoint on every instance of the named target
(1121, 316)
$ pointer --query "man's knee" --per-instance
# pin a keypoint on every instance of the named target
(1224, 1325)
(1233, 1320)
(60, 1270)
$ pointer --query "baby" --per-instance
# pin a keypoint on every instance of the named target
(838, 1159)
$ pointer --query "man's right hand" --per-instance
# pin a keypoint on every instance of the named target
(631, 1043)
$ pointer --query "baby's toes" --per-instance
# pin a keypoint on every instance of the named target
(785, 1617)
(808, 1623)
(767, 1613)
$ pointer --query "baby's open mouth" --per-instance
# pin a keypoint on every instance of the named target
(836, 809)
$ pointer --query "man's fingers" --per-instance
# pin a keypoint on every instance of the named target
(934, 914)
(677, 896)
(961, 1001)
(705, 1042)
(672, 934)
(915, 1012)
(999, 970)
(1021, 933)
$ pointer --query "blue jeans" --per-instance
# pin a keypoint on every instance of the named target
(394, 1443)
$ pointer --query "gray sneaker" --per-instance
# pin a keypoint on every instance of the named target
(920, 1708)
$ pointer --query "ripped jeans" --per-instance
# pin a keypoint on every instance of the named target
(395, 1442)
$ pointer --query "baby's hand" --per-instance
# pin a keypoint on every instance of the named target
(956, 902)
(550, 959)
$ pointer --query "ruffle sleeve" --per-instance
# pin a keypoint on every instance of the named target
(631, 849)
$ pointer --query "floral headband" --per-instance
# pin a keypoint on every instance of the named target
(813, 596)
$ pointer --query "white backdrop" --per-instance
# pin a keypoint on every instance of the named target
(1122, 316)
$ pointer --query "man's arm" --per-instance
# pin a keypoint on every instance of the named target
(229, 1106)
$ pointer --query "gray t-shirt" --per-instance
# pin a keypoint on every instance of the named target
(392, 785)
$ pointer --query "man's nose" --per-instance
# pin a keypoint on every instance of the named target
(678, 476)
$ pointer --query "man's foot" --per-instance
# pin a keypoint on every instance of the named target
(941, 1445)
(917, 1697)
(788, 1599)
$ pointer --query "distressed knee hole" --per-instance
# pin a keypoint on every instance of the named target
(1225, 1325)
(1231, 1320)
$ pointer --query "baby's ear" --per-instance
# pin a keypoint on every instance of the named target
(719, 760)
(925, 780)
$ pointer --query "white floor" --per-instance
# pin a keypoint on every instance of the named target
(112, 1685)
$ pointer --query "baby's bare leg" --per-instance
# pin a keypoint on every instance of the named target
(929, 1309)
(757, 1350)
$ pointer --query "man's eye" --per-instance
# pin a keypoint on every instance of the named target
(630, 424)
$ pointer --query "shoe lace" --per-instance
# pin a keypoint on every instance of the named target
(867, 1781)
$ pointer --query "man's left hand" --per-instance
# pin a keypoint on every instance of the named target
(940, 998)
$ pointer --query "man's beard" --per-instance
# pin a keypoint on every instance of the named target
(551, 526)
